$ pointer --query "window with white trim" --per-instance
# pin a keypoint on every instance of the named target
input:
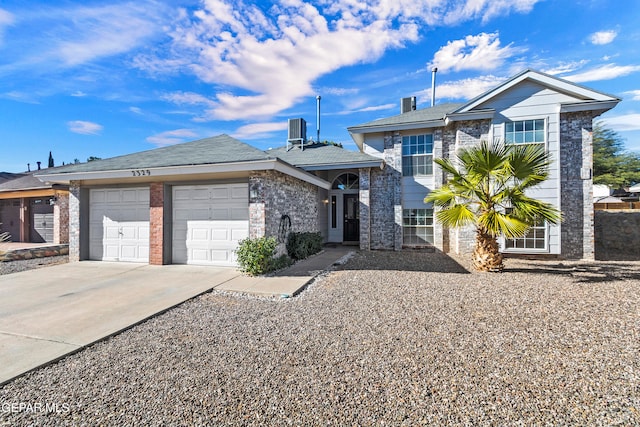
(524, 132)
(417, 226)
(535, 239)
(417, 155)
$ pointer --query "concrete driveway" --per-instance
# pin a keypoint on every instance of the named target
(50, 312)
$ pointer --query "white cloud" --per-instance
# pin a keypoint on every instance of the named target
(274, 56)
(464, 89)
(635, 94)
(566, 67)
(481, 52)
(626, 122)
(172, 137)
(6, 19)
(605, 72)
(84, 128)
(136, 110)
(105, 31)
(603, 37)
(259, 130)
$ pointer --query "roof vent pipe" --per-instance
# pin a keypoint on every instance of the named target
(318, 116)
(434, 70)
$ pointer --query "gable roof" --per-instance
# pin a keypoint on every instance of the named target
(25, 182)
(409, 120)
(584, 94)
(218, 149)
(324, 157)
(441, 115)
(219, 154)
(8, 176)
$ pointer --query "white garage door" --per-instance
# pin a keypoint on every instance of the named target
(208, 222)
(119, 224)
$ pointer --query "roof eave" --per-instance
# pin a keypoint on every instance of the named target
(471, 115)
(400, 126)
(600, 106)
(346, 165)
(167, 171)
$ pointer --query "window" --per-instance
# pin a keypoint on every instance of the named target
(536, 239)
(417, 155)
(417, 226)
(346, 181)
(524, 132)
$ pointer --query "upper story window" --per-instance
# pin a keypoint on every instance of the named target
(417, 155)
(524, 132)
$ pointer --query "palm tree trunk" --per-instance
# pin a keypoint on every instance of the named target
(486, 254)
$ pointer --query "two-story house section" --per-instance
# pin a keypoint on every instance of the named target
(529, 108)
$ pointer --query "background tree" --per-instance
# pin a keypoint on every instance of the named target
(50, 160)
(487, 190)
(612, 165)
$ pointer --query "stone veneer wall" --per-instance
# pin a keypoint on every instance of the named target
(364, 175)
(458, 135)
(273, 194)
(61, 218)
(385, 201)
(576, 186)
(74, 221)
(617, 234)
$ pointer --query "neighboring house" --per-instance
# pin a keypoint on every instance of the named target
(601, 191)
(34, 211)
(529, 108)
(192, 203)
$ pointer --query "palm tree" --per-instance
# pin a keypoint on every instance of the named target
(488, 191)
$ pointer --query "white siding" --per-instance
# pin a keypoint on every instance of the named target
(529, 101)
(414, 190)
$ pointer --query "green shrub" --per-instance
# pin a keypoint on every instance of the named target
(303, 245)
(255, 256)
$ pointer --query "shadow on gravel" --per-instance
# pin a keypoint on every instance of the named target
(434, 262)
(583, 272)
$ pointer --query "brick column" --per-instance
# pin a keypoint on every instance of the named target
(156, 223)
(74, 221)
(365, 208)
(257, 208)
(61, 218)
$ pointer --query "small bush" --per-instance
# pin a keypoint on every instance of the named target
(255, 256)
(303, 245)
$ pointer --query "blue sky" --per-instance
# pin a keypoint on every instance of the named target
(96, 78)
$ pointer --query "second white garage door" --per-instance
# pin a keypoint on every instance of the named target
(208, 222)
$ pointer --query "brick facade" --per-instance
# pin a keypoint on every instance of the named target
(61, 218)
(273, 194)
(156, 224)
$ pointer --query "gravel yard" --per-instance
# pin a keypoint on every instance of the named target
(387, 339)
(29, 264)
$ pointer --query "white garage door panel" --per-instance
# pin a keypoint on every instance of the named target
(208, 222)
(119, 224)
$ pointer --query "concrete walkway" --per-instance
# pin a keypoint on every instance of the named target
(50, 312)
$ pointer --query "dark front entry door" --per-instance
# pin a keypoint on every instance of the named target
(351, 218)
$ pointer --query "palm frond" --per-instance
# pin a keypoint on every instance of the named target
(457, 215)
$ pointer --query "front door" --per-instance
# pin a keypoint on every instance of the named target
(351, 227)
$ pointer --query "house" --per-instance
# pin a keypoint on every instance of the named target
(34, 211)
(191, 203)
(529, 108)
